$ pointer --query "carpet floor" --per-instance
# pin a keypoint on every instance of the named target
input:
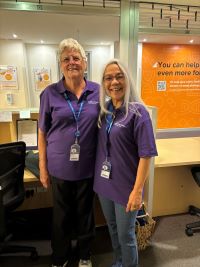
(169, 247)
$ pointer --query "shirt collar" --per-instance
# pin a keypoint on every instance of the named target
(122, 108)
(61, 87)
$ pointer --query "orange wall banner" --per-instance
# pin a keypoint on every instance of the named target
(171, 82)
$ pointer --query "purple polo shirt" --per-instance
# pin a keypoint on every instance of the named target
(131, 138)
(57, 121)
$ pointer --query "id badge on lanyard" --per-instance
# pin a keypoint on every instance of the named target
(75, 148)
(106, 166)
(74, 152)
(106, 169)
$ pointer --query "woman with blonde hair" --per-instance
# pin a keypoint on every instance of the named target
(67, 144)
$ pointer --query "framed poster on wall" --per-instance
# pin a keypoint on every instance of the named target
(42, 78)
(27, 131)
(8, 77)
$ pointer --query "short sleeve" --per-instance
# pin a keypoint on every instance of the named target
(144, 135)
(45, 112)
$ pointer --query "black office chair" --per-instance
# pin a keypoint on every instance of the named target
(195, 226)
(12, 194)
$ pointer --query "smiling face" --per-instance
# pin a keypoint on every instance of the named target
(72, 65)
(114, 84)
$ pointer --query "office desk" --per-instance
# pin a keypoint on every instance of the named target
(171, 187)
(43, 199)
(174, 188)
(36, 196)
(30, 177)
(178, 152)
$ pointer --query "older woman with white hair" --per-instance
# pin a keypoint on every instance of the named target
(67, 143)
(125, 147)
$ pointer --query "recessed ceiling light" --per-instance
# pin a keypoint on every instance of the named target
(15, 35)
(41, 41)
(144, 40)
(191, 41)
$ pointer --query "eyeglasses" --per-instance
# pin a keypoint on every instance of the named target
(76, 59)
(109, 78)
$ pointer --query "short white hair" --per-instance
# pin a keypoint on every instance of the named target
(71, 44)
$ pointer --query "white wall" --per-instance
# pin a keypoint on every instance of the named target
(40, 56)
(46, 56)
(12, 53)
(28, 56)
(100, 55)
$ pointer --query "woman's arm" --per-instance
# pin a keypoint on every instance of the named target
(42, 145)
(135, 197)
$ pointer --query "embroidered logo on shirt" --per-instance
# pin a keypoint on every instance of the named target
(92, 102)
(133, 108)
(119, 125)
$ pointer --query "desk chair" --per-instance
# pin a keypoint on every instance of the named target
(195, 226)
(12, 194)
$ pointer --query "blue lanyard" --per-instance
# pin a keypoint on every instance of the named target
(76, 116)
(109, 123)
(110, 118)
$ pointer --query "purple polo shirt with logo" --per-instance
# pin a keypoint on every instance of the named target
(57, 121)
(131, 138)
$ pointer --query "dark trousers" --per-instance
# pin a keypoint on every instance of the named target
(72, 218)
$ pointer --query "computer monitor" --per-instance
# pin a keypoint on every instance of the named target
(11, 155)
(12, 162)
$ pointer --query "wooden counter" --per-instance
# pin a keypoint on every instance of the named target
(29, 177)
(36, 195)
(174, 188)
(43, 199)
(178, 152)
(170, 188)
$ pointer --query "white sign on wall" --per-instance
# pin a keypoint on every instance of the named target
(42, 78)
(8, 77)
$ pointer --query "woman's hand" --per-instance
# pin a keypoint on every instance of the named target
(44, 178)
(134, 201)
(135, 197)
(44, 174)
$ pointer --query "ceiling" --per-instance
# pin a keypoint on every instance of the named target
(52, 28)
(94, 23)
